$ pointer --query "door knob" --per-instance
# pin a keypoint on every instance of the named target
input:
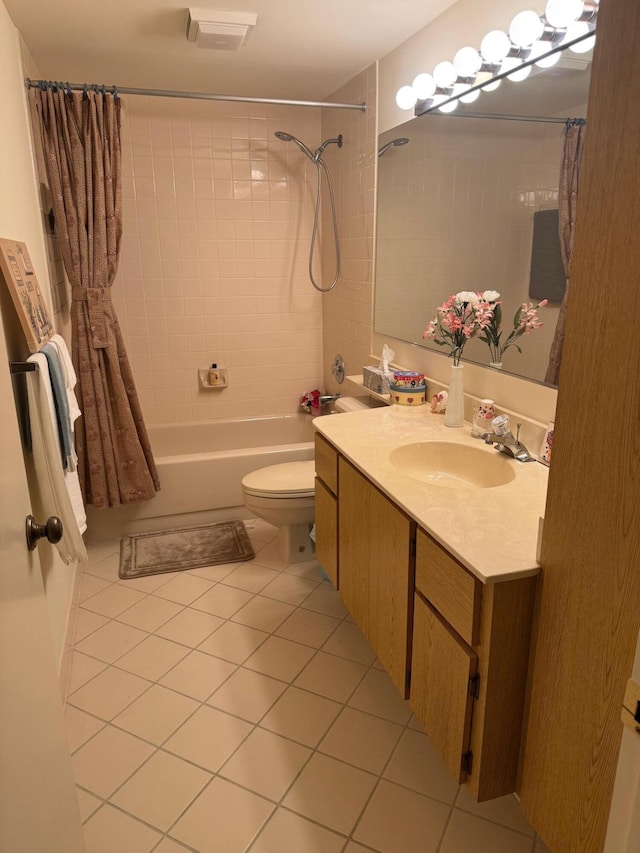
(51, 530)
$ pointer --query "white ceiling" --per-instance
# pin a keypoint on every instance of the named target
(301, 49)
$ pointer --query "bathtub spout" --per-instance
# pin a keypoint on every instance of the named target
(328, 398)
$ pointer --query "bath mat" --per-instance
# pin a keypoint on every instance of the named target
(183, 548)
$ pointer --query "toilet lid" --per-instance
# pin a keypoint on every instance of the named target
(290, 478)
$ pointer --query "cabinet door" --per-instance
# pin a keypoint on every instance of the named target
(355, 543)
(376, 570)
(391, 580)
(440, 698)
(327, 531)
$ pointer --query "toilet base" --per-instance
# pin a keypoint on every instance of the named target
(294, 543)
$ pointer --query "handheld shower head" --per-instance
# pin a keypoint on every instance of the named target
(288, 137)
(393, 144)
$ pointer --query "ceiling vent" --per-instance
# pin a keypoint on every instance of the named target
(219, 30)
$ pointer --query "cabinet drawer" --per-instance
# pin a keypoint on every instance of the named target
(327, 463)
(451, 589)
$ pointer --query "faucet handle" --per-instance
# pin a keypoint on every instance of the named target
(518, 432)
(500, 424)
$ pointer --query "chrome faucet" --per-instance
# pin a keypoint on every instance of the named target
(506, 442)
(328, 398)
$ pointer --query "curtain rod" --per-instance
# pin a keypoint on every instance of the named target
(504, 117)
(201, 96)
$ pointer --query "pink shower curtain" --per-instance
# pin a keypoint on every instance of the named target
(568, 197)
(80, 136)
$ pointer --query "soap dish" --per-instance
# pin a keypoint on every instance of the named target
(203, 379)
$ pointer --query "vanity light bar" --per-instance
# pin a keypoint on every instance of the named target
(532, 40)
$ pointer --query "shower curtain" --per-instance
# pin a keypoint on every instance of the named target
(80, 137)
(568, 197)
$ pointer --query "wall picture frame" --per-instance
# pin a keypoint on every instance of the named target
(23, 285)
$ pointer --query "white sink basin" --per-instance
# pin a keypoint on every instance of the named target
(449, 463)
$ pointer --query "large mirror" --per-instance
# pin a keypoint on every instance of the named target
(468, 201)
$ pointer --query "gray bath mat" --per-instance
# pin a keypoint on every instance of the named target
(183, 548)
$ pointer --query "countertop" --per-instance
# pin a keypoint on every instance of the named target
(493, 532)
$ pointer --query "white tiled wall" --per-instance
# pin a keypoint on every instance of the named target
(347, 308)
(217, 220)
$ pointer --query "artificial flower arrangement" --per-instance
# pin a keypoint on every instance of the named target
(466, 313)
(457, 320)
(525, 320)
(310, 402)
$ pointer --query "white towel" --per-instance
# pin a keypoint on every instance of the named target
(71, 379)
(59, 494)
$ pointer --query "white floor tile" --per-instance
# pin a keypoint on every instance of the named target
(161, 790)
(484, 837)
(156, 714)
(301, 716)
(377, 695)
(80, 727)
(107, 760)
(247, 694)
(88, 804)
(266, 763)
(416, 765)
(400, 821)
(198, 675)
(190, 627)
(111, 641)
(112, 600)
(208, 738)
(109, 693)
(152, 658)
(287, 831)
(503, 810)
(222, 600)
(183, 589)
(331, 793)
(109, 829)
(331, 676)
(308, 627)
(262, 613)
(280, 658)
(83, 669)
(361, 739)
(212, 824)
(150, 613)
(233, 642)
(347, 642)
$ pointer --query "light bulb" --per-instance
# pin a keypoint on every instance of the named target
(470, 97)
(424, 86)
(445, 74)
(406, 98)
(574, 31)
(550, 60)
(495, 46)
(525, 28)
(467, 61)
(448, 108)
(584, 46)
(561, 13)
(542, 48)
(491, 87)
(517, 75)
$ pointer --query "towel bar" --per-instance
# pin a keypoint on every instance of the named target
(21, 366)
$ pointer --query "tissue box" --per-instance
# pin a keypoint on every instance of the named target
(375, 379)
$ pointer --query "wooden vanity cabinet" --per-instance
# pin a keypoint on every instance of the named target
(469, 668)
(376, 569)
(326, 508)
(458, 648)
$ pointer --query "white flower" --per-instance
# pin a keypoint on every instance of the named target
(467, 296)
(490, 296)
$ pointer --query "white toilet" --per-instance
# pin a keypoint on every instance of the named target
(284, 495)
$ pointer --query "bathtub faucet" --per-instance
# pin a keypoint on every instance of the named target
(328, 398)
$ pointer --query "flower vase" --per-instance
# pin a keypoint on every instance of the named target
(497, 365)
(454, 415)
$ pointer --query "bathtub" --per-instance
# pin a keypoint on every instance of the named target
(201, 466)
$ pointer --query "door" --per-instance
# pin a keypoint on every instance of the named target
(38, 805)
(442, 667)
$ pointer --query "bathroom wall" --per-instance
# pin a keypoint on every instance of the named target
(347, 308)
(217, 223)
(20, 219)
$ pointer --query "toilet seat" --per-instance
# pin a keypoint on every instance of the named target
(288, 480)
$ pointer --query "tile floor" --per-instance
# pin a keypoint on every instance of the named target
(238, 708)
